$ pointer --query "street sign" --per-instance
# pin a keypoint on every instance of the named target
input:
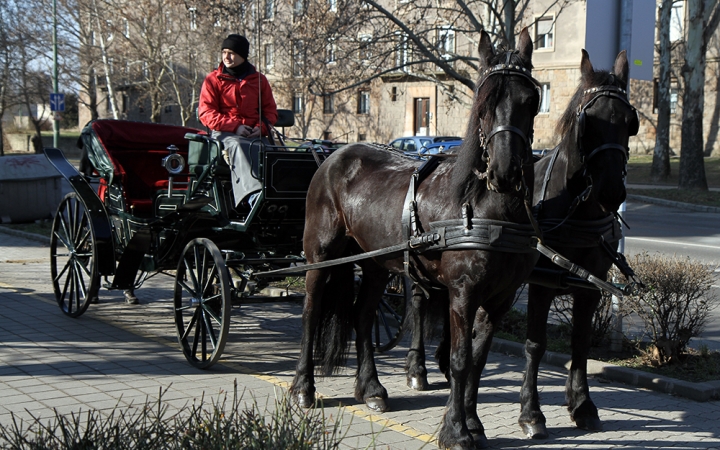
(57, 102)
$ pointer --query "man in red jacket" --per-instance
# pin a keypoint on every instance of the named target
(237, 104)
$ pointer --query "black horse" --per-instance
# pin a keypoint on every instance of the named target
(355, 204)
(579, 187)
(578, 190)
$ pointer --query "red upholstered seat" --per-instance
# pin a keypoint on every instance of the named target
(136, 150)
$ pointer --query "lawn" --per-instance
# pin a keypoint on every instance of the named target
(639, 173)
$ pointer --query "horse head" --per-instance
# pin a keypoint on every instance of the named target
(603, 120)
(499, 136)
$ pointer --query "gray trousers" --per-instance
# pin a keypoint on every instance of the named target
(244, 155)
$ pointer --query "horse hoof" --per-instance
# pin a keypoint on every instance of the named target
(305, 401)
(376, 404)
(417, 383)
(535, 430)
(479, 439)
(589, 423)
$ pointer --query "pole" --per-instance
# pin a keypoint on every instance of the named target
(56, 123)
(626, 8)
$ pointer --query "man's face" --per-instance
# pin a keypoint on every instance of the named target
(231, 59)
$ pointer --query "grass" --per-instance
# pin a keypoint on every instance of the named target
(221, 424)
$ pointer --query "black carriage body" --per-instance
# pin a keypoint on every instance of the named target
(152, 219)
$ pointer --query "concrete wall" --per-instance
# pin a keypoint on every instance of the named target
(21, 143)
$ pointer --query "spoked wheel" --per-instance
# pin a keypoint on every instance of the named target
(73, 263)
(387, 328)
(202, 302)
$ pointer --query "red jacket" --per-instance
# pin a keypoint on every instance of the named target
(226, 102)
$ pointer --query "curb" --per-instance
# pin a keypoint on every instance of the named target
(31, 236)
(698, 391)
(674, 204)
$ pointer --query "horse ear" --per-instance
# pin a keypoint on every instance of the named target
(586, 67)
(485, 49)
(525, 47)
(621, 67)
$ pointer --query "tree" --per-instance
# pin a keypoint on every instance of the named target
(660, 170)
(703, 19)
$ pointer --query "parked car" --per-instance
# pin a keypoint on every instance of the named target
(319, 145)
(410, 145)
(438, 147)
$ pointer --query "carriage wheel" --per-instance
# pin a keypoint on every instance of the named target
(202, 302)
(387, 328)
(73, 264)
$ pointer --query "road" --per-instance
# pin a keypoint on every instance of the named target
(673, 231)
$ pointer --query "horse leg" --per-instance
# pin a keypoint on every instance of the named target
(577, 393)
(415, 369)
(454, 432)
(532, 420)
(442, 352)
(303, 385)
(367, 385)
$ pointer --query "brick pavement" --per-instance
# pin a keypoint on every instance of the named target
(118, 354)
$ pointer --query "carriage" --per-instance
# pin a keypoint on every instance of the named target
(161, 201)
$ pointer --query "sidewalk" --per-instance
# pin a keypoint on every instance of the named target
(119, 354)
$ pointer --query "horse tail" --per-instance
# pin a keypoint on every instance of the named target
(333, 333)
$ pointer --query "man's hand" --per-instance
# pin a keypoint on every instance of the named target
(255, 133)
(244, 131)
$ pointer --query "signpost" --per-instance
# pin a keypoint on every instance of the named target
(57, 102)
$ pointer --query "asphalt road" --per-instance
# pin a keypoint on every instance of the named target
(674, 231)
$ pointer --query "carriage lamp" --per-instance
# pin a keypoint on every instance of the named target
(174, 163)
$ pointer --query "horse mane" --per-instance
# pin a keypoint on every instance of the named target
(466, 184)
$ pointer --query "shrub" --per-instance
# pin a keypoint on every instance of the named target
(675, 304)
(219, 425)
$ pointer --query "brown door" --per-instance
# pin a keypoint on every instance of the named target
(422, 116)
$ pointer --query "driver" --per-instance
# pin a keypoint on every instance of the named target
(237, 104)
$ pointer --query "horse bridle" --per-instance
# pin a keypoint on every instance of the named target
(599, 92)
(506, 69)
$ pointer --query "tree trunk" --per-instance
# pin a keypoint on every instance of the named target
(660, 170)
(692, 165)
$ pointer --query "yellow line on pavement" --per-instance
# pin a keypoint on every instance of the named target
(357, 411)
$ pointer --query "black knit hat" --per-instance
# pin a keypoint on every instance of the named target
(238, 44)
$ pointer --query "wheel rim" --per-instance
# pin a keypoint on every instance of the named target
(387, 328)
(202, 303)
(73, 264)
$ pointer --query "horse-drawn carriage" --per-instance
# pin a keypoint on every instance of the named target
(162, 202)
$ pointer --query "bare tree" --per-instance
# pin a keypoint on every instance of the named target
(660, 170)
(703, 19)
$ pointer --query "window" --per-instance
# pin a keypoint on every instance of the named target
(544, 33)
(446, 42)
(298, 103)
(401, 53)
(298, 7)
(363, 106)
(331, 52)
(673, 95)
(269, 9)
(393, 94)
(168, 108)
(327, 135)
(365, 49)
(126, 28)
(109, 27)
(361, 137)
(298, 61)
(125, 102)
(108, 104)
(193, 18)
(677, 19)
(545, 98)
(328, 104)
(333, 5)
(168, 23)
(269, 55)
